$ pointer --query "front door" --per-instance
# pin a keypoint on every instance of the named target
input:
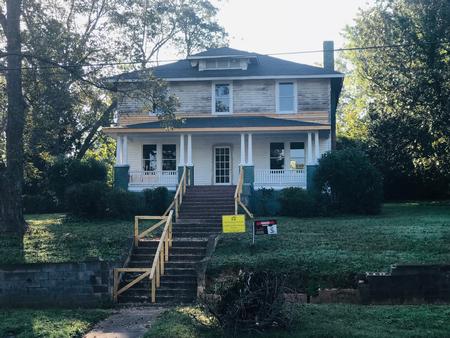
(222, 165)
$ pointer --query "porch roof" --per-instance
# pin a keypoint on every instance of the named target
(224, 123)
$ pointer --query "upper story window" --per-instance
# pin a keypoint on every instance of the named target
(220, 64)
(222, 98)
(286, 97)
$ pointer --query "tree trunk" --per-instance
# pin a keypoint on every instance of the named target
(11, 177)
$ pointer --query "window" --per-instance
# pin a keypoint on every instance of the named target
(222, 100)
(221, 64)
(286, 99)
(169, 157)
(297, 155)
(277, 155)
(149, 157)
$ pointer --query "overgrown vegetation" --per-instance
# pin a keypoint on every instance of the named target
(55, 238)
(24, 323)
(335, 251)
(252, 302)
(337, 321)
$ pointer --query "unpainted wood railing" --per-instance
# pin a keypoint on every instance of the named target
(181, 190)
(161, 256)
(237, 195)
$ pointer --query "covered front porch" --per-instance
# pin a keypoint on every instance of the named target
(271, 159)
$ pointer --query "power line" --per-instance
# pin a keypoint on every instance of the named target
(112, 64)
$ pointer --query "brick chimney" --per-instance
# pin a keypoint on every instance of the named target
(328, 55)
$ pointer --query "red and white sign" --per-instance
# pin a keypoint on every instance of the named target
(267, 227)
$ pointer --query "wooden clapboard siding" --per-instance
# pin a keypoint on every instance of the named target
(250, 97)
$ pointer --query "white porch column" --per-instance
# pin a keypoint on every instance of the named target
(181, 163)
(316, 147)
(125, 150)
(242, 149)
(310, 153)
(250, 150)
(189, 151)
(119, 150)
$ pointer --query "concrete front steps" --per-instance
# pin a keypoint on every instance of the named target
(200, 217)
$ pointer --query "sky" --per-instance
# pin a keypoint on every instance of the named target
(274, 26)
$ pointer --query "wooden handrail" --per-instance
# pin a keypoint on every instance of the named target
(237, 195)
(178, 198)
(161, 256)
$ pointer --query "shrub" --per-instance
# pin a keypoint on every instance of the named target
(297, 202)
(39, 204)
(252, 301)
(67, 172)
(347, 182)
(88, 200)
(264, 202)
(156, 200)
(124, 204)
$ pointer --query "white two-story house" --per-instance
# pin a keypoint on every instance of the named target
(272, 117)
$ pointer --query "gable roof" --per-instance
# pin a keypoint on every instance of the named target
(264, 67)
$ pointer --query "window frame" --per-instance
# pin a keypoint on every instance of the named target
(271, 157)
(302, 164)
(213, 97)
(148, 159)
(168, 159)
(295, 99)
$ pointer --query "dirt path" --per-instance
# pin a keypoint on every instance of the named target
(126, 323)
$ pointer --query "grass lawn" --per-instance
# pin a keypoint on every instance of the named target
(322, 321)
(23, 323)
(53, 238)
(332, 252)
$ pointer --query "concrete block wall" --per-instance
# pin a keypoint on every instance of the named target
(85, 284)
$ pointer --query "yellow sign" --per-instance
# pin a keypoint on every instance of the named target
(233, 223)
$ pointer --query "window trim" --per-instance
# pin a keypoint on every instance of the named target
(284, 155)
(213, 96)
(168, 159)
(277, 96)
(147, 159)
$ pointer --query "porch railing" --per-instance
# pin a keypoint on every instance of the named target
(181, 190)
(153, 178)
(280, 177)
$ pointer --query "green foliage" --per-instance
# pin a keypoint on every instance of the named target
(39, 204)
(324, 320)
(297, 202)
(405, 93)
(54, 238)
(156, 200)
(88, 200)
(97, 200)
(347, 182)
(26, 323)
(264, 202)
(337, 251)
(253, 301)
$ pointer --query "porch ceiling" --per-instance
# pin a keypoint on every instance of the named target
(223, 124)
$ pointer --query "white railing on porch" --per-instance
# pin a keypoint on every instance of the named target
(153, 178)
(280, 178)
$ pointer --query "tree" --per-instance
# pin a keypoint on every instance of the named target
(11, 176)
(408, 83)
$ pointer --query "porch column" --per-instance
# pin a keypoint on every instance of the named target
(121, 168)
(316, 147)
(312, 164)
(242, 150)
(182, 150)
(250, 150)
(119, 150)
(189, 164)
(310, 153)
(125, 150)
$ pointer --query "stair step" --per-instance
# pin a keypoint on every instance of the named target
(188, 250)
(159, 299)
(191, 243)
(148, 243)
(142, 257)
(172, 278)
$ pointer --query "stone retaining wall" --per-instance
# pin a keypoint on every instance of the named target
(86, 284)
